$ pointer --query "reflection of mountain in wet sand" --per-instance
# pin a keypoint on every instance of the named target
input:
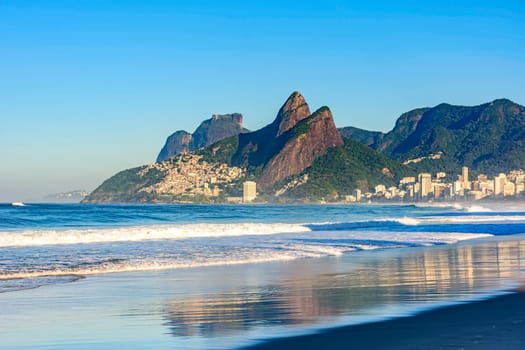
(352, 286)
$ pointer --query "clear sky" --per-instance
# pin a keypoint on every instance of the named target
(90, 87)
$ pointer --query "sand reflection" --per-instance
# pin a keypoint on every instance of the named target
(354, 285)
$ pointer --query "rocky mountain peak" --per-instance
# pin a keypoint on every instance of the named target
(307, 140)
(293, 111)
(218, 127)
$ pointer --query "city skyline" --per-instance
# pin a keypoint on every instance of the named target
(92, 88)
(426, 187)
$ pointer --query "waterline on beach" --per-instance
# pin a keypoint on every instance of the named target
(229, 306)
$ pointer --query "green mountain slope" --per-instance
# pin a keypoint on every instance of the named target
(363, 136)
(345, 168)
(488, 138)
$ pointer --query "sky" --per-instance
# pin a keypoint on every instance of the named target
(89, 88)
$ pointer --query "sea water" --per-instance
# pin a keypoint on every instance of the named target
(219, 276)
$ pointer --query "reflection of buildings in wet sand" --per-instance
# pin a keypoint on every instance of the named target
(416, 276)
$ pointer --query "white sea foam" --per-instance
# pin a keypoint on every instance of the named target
(151, 265)
(335, 243)
(408, 221)
(319, 250)
(141, 233)
(476, 219)
(417, 238)
(476, 209)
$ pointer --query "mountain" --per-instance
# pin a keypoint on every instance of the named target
(218, 127)
(283, 148)
(299, 156)
(488, 138)
(177, 143)
(365, 137)
(341, 170)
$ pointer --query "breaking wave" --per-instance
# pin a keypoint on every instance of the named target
(141, 233)
(314, 245)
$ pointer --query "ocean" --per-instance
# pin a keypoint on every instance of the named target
(78, 276)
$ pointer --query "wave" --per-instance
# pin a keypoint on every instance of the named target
(152, 265)
(30, 238)
(456, 206)
(363, 224)
(476, 219)
(141, 233)
(476, 209)
(408, 221)
(320, 246)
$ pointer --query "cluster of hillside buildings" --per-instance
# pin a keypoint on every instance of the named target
(428, 187)
(189, 175)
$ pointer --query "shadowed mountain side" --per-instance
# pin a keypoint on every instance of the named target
(365, 137)
(255, 149)
(283, 148)
(209, 131)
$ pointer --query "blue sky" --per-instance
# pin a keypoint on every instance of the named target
(88, 88)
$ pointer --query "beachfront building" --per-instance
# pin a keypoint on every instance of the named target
(509, 189)
(249, 191)
(426, 187)
(464, 178)
(499, 183)
(357, 194)
(425, 180)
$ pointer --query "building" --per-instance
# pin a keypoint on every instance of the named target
(441, 175)
(464, 178)
(509, 189)
(499, 183)
(357, 194)
(380, 189)
(425, 180)
(407, 180)
(249, 191)
(440, 190)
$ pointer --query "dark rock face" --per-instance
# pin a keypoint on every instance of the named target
(293, 111)
(306, 141)
(177, 143)
(290, 143)
(218, 127)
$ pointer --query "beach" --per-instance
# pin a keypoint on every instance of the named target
(232, 277)
(496, 323)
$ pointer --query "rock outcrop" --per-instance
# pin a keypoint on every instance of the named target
(292, 156)
(293, 111)
(218, 127)
(306, 140)
(288, 145)
(177, 143)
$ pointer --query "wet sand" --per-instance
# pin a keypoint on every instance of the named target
(226, 307)
(497, 323)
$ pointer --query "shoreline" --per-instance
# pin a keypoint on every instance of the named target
(480, 324)
(222, 307)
